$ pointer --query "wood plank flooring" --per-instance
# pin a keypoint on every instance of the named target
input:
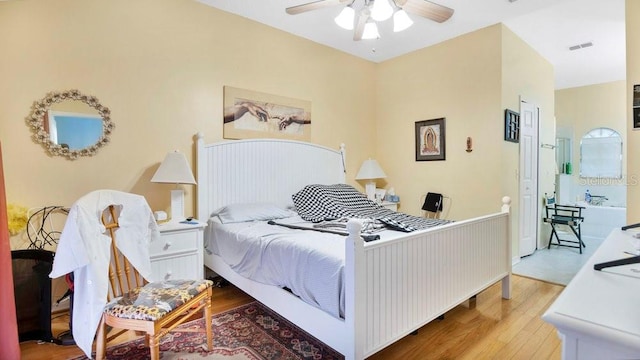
(487, 328)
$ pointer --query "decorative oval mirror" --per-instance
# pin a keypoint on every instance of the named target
(70, 124)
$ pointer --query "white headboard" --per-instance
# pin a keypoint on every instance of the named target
(261, 170)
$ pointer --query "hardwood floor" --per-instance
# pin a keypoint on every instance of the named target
(487, 328)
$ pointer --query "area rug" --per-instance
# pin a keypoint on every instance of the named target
(248, 332)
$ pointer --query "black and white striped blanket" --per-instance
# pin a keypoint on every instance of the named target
(318, 203)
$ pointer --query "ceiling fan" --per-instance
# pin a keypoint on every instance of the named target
(377, 10)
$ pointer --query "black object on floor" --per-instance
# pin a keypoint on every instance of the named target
(32, 287)
(219, 281)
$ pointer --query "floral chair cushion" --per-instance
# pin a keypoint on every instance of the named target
(154, 300)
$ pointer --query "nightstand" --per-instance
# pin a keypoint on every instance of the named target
(178, 254)
(390, 205)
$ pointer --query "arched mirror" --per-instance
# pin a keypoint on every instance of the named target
(601, 154)
(563, 155)
(70, 124)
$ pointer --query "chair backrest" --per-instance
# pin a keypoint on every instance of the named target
(432, 205)
(553, 210)
(122, 275)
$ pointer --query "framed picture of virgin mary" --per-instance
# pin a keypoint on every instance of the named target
(430, 140)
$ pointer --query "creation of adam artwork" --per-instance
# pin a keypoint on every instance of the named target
(250, 114)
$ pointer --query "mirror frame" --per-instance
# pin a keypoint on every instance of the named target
(37, 117)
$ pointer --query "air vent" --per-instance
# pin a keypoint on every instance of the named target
(581, 46)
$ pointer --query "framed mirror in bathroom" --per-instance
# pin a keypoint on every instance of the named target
(563, 155)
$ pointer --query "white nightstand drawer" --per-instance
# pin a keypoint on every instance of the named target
(178, 254)
(176, 267)
(174, 242)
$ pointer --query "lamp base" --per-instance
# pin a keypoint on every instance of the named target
(370, 189)
(177, 205)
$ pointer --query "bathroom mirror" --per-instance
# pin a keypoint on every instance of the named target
(601, 154)
(563, 154)
(70, 124)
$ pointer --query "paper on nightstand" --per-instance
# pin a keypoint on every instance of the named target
(160, 215)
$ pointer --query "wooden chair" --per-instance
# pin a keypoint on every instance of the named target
(433, 205)
(567, 215)
(133, 303)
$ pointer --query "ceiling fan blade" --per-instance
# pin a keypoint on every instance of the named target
(426, 9)
(363, 16)
(314, 5)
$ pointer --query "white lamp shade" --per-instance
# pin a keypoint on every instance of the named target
(370, 169)
(401, 21)
(174, 170)
(370, 31)
(345, 18)
(382, 10)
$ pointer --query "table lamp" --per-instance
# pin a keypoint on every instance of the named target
(175, 170)
(370, 170)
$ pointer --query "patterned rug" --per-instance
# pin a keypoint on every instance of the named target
(248, 332)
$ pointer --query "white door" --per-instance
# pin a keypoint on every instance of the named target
(528, 178)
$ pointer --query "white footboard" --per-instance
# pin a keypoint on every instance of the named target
(395, 287)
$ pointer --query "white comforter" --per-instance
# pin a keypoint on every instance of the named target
(309, 263)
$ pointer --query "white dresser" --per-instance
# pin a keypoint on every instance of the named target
(598, 313)
(179, 252)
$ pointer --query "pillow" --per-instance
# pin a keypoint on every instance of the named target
(235, 213)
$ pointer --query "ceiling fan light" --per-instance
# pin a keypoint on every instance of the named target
(401, 21)
(382, 10)
(370, 31)
(345, 18)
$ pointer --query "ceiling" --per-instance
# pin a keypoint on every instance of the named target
(551, 27)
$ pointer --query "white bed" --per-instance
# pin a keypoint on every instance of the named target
(392, 286)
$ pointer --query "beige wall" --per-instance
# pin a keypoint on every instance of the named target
(633, 136)
(458, 80)
(160, 66)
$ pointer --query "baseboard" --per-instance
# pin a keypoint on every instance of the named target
(515, 260)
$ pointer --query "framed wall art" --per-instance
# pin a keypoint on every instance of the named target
(511, 126)
(636, 107)
(251, 114)
(430, 140)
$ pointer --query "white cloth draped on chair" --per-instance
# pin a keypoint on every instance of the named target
(84, 249)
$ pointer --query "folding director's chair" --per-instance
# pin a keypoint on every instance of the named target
(567, 215)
